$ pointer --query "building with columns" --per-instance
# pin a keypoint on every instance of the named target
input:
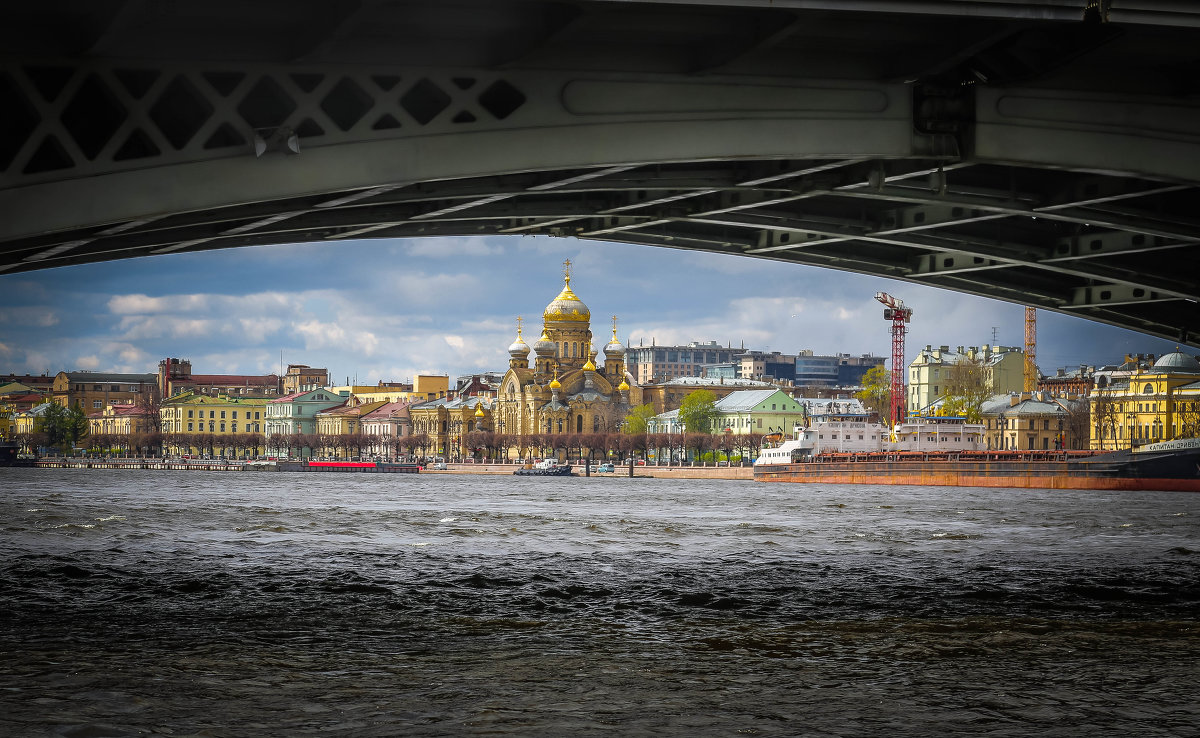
(556, 387)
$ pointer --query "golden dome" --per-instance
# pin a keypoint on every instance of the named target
(567, 306)
(623, 386)
(554, 383)
(589, 366)
(479, 410)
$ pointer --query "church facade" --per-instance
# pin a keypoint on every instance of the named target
(555, 386)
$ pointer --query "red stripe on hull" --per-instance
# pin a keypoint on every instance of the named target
(1045, 475)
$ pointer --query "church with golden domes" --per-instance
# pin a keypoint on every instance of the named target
(563, 390)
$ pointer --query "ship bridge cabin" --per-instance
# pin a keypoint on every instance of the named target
(938, 433)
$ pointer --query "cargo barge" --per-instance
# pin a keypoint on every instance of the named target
(1172, 469)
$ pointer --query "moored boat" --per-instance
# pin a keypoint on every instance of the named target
(545, 468)
(1175, 469)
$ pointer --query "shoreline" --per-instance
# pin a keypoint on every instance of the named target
(639, 472)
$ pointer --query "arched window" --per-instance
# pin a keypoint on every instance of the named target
(1148, 389)
(595, 424)
(579, 424)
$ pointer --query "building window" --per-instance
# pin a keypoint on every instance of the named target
(235, 414)
(212, 414)
(222, 414)
(96, 403)
(233, 428)
(256, 415)
(190, 413)
(222, 427)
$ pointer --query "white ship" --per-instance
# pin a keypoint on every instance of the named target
(852, 433)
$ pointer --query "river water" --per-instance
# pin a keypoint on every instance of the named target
(220, 604)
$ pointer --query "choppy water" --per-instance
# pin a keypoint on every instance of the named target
(210, 604)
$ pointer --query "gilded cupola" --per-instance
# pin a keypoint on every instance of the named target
(567, 307)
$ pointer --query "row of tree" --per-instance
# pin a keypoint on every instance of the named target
(602, 446)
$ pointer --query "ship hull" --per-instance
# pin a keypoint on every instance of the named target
(1179, 471)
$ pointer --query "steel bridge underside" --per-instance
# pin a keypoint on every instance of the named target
(1020, 152)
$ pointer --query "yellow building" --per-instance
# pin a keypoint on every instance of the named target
(94, 391)
(929, 373)
(425, 387)
(196, 423)
(1034, 421)
(1161, 403)
(564, 391)
(30, 421)
(344, 421)
(122, 420)
(448, 422)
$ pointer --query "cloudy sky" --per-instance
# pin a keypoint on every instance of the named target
(390, 309)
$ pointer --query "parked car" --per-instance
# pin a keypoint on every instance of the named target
(439, 464)
(606, 468)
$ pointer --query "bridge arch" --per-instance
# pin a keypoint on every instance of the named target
(1019, 152)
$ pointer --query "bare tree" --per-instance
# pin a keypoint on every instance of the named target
(1188, 412)
(966, 390)
(1077, 423)
(1106, 412)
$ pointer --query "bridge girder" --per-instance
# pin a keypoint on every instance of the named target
(1007, 150)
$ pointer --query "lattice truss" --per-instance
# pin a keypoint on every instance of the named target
(1118, 249)
(103, 119)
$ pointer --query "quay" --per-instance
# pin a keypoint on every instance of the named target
(482, 468)
(224, 465)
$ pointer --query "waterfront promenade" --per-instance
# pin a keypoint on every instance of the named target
(482, 468)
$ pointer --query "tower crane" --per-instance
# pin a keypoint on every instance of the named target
(1031, 369)
(894, 310)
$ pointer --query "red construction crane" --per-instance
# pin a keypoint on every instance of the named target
(895, 311)
(1031, 368)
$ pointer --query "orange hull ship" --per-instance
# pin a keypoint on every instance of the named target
(1122, 470)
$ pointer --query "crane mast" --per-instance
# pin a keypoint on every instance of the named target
(894, 310)
(1031, 370)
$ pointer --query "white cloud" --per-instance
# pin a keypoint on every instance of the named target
(390, 309)
(134, 328)
(88, 362)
